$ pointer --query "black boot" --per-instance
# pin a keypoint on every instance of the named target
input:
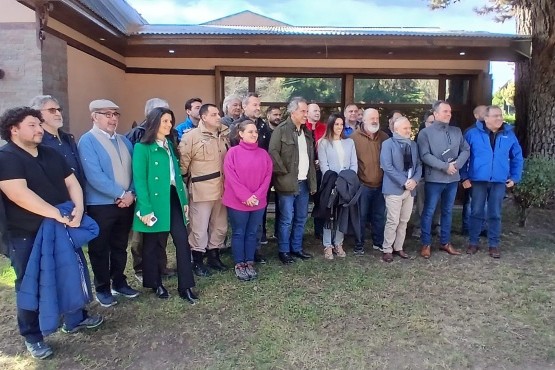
(198, 265)
(189, 296)
(214, 260)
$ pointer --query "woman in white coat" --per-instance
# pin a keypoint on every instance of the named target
(335, 153)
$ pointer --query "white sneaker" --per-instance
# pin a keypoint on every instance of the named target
(378, 248)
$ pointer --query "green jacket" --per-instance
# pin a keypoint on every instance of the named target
(151, 165)
(284, 150)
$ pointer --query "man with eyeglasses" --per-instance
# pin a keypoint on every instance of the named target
(55, 137)
(106, 158)
(495, 165)
(443, 151)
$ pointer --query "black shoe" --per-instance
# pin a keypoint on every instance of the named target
(302, 255)
(214, 260)
(259, 258)
(161, 292)
(358, 250)
(264, 240)
(192, 294)
(189, 296)
(199, 268)
(286, 258)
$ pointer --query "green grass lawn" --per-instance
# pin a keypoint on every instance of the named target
(353, 313)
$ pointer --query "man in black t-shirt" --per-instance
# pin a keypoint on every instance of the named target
(33, 179)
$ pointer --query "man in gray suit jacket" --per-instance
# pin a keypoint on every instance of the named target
(444, 151)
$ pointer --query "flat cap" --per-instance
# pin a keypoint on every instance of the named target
(102, 104)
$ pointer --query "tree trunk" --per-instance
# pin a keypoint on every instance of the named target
(541, 103)
(522, 80)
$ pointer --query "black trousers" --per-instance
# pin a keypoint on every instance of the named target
(276, 214)
(154, 245)
(108, 251)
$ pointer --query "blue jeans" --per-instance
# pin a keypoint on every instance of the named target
(28, 321)
(327, 239)
(244, 230)
(488, 194)
(372, 208)
(466, 213)
(434, 192)
(293, 209)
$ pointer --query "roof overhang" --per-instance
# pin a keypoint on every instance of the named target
(181, 41)
(315, 47)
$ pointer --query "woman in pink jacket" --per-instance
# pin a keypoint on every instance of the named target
(247, 176)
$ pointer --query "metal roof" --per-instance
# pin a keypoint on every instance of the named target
(117, 13)
(157, 29)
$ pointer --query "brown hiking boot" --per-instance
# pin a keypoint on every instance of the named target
(494, 252)
(338, 249)
(426, 251)
(328, 253)
(472, 249)
(450, 249)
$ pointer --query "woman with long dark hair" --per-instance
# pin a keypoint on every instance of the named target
(335, 153)
(162, 204)
(247, 176)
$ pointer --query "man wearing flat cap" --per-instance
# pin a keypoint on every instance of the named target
(106, 159)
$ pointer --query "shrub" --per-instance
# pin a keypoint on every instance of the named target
(509, 118)
(537, 186)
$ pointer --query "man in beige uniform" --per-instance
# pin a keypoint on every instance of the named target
(202, 151)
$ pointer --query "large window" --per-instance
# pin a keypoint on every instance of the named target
(280, 89)
(395, 91)
(317, 89)
(412, 95)
(236, 85)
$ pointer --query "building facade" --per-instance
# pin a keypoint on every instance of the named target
(81, 50)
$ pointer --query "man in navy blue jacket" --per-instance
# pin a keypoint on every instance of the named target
(495, 164)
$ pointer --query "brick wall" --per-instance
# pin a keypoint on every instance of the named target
(30, 71)
(21, 61)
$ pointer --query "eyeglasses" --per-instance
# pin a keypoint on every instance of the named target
(53, 110)
(109, 114)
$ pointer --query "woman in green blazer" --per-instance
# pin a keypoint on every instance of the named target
(162, 204)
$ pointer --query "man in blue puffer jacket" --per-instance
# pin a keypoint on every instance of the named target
(495, 164)
(56, 281)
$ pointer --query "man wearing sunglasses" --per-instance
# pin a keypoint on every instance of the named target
(106, 158)
(54, 137)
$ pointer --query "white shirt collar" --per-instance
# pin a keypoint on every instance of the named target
(107, 134)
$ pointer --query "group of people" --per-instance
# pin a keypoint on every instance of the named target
(192, 179)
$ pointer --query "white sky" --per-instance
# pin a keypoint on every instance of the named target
(368, 13)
